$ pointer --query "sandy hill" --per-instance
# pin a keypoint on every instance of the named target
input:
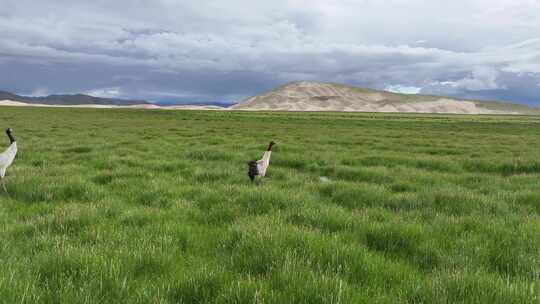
(317, 96)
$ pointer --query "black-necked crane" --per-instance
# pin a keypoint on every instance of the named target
(258, 167)
(7, 157)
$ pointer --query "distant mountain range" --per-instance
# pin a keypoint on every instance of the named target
(298, 96)
(75, 99)
(204, 103)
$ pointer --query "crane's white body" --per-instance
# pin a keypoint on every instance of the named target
(6, 158)
(263, 163)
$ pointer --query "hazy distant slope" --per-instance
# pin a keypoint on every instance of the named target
(76, 99)
(316, 96)
(507, 107)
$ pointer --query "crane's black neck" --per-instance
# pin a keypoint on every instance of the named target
(11, 138)
(270, 146)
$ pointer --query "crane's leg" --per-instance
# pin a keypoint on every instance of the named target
(4, 185)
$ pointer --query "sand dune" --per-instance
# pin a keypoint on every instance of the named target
(315, 96)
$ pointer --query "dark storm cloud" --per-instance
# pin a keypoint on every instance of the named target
(227, 50)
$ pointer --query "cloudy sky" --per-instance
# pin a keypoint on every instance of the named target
(217, 50)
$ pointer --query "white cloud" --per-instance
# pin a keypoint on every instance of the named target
(403, 89)
(114, 92)
(39, 92)
(482, 78)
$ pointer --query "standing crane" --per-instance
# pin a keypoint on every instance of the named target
(7, 157)
(258, 167)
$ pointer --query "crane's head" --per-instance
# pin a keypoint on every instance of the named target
(272, 143)
(11, 138)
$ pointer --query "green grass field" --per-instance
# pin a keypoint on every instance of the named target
(137, 206)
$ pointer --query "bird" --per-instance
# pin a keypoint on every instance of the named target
(259, 167)
(7, 157)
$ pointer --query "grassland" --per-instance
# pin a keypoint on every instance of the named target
(135, 206)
